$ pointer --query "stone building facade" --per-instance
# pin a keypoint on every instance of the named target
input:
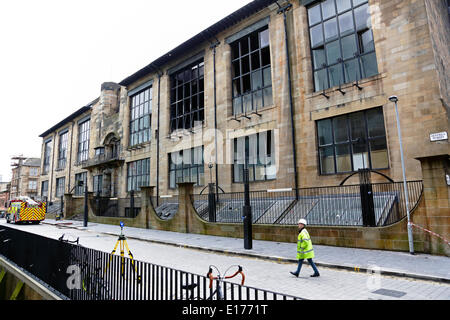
(299, 90)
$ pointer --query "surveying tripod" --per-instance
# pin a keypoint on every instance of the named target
(122, 241)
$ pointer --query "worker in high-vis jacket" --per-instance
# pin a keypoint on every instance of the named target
(304, 249)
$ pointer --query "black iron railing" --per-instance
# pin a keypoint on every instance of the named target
(81, 273)
(333, 206)
(109, 157)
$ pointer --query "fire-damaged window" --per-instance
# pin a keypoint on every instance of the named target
(342, 44)
(251, 72)
(187, 97)
(352, 141)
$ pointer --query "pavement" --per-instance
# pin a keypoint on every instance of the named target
(396, 264)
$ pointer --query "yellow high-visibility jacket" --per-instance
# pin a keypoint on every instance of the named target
(304, 246)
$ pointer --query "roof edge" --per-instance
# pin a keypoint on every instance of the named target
(68, 119)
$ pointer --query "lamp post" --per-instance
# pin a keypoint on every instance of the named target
(247, 211)
(211, 197)
(394, 99)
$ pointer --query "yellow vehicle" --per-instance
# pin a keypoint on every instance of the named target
(26, 210)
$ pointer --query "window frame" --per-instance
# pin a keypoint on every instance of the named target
(47, 156)
(60, 189)
(341, 62)
(84, 130)
(175, 168)
(142, 177)
(254, 166)
(242, 74)
(137, 136)
(32, 185)
(79, 190)
(97, 182)
(178, 84)
(62, 150)
(350, 142)
(44, 191)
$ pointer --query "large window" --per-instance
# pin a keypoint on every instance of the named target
(62, 150)
(258, 152)
(34, 172)
(186, 166)
(60, 184)
(44, 189)
(79, 189)
(32, 185)
(141, 117)
(252, 78)
(342, 43)
(138, 174)
(83, 141)
(47, 155)
(98, 184)
(187, 97)
(352, 141)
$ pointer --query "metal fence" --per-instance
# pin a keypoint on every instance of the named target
(81, 273)
(331, 206)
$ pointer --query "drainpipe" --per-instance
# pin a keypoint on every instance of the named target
(157, 139)
(160, 74)
(50, 183)
(213, 47)
(283, 10)
(70, 156)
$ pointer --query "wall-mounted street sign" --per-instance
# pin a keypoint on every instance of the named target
(439, 136)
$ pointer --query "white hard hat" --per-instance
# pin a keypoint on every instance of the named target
(302, 221)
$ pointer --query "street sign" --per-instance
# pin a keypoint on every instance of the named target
(439, 136)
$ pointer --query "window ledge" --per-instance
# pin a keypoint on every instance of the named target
(242, 115)
(139, 146)
(349, 85)
(180, 133)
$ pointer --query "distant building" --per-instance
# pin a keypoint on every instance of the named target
(25, 176)
(4, 194)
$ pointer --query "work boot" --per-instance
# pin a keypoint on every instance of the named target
(293, 273)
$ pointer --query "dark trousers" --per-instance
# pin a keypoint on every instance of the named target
(311, 262)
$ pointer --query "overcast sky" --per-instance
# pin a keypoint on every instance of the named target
(54, 55)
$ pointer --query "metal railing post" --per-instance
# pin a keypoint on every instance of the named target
(212, 203)
(247, 211)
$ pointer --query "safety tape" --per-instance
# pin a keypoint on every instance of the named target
(431, 232)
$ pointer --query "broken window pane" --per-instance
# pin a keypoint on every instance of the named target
(251, 72)
(369, 65)
(264, 36)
